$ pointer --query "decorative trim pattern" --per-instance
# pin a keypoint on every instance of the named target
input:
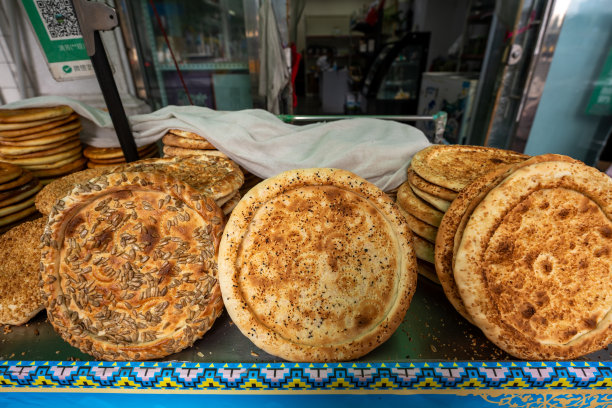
(307, 377)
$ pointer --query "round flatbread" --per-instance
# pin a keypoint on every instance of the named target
(17, 216)
(9, 172)
(62, 187)
(97, 153)
(67, 128)
(33, 114)
(217, 177)
(24, 177)
(56, 138)
(186, 134)
(30, 125)
(177, 141)
(94, 164)
(424, 249)
(427, 270)
(182, 152)
(448, 236)
(70, 167)
(129, 266)
(317, 265)
(228, 206)
(419, 227)
(54, 165)
(534, 266)
(20, 193)
(15, 152)
(419, 182)
(39, 128)
(413, 205)
(436, 202)
(455, 166)
(16, 207)
(143, 154)
(51, 159)
(20, 297)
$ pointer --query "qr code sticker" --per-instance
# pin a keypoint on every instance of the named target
(59, 18)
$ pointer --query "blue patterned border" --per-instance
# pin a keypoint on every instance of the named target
(394, 377)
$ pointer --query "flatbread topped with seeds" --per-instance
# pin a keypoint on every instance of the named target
(534, 266)
(217, 177)
(129, 266)
(455, 166)
(20, 297)
(57, 189)
(317, 265)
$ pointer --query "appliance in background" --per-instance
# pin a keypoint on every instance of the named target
(391, 85)
(452, 93)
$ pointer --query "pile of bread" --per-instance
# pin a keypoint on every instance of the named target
(139, 259)
(98, 157)
(181, 143)
(44, 141)
(524, 248)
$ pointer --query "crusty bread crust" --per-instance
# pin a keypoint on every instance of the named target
(534, 265)
(317, 265)
(129, 266)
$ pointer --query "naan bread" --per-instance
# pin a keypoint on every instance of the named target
(415, 206)
(419, 182)
(20, 297)
(455, 166)
(317, 265)
(129, 266)
(534, 266)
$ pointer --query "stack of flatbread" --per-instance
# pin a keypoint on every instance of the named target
(525, 253)
(435, 176)
(216, 177)
(113, 156)
(42, 140)
(18, 188)
(180, 143)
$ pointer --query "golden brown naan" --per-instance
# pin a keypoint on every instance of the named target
(317, 265)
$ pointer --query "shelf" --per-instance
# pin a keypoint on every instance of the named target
(207, 66)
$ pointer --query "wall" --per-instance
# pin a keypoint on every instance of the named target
(561, 124)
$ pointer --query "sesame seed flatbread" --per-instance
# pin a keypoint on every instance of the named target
(438, 203)
(186, 134)
(317, 265)
(417, 207)
(182, 152)
(455, 166)
(20, 297)
(534, 266)
(419, 182)
(217, 177)
(177, 141)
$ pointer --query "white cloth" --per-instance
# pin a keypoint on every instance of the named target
(376, 150)
(273, 69)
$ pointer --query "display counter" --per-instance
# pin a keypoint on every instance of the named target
(434, 358)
